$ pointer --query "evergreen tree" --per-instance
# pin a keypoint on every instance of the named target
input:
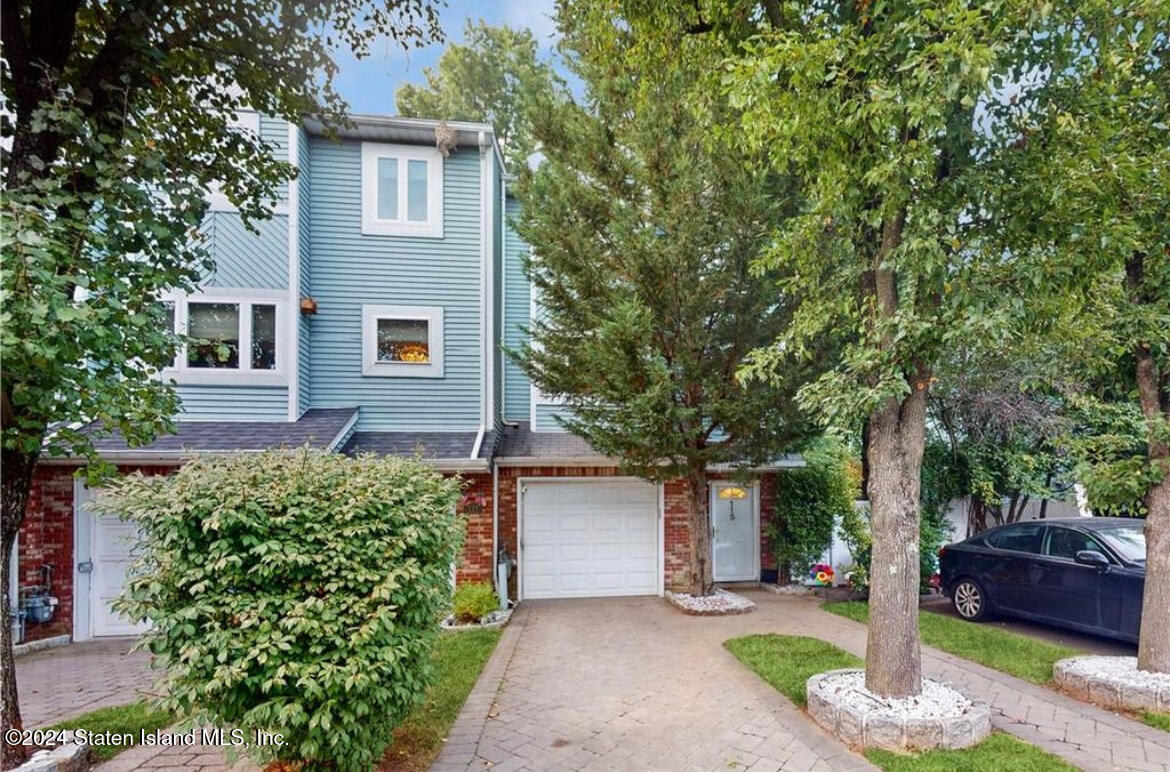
(644, 226)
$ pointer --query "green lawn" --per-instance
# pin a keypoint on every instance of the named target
(1018, 655)
(1000, 752)
(1156, 720)
(132, 718)
(788, 661)
(459, 658)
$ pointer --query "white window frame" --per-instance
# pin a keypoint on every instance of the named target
(432, 315)
(247, 121)
(373, 225)
(182, 373)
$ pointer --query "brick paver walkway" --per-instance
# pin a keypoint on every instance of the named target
(631, 683)
(66, 681)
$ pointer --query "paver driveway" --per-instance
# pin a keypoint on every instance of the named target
(630, 683)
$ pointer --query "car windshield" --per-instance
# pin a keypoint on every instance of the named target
(1128, 540)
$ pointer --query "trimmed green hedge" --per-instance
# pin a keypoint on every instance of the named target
(294, 592)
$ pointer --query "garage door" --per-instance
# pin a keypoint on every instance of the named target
(113, 541)
(588, 539)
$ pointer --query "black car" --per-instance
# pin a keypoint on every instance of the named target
(1085, 573)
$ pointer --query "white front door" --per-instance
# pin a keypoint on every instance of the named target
(112, 542)
(735, 539)
(588, 538)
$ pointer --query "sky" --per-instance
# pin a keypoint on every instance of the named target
(369, 84)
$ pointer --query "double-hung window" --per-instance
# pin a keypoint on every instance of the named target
(402, 341)
(230, 339)
(402, 190)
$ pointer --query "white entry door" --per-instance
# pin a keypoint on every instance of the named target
(112, 542)
(588, 538)
(735, 541)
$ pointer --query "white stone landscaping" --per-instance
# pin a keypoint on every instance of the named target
(1114, 682)
(719, 603)
(494, 619)
(788, 589)
(939, 717)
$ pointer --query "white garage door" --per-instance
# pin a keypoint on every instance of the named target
(589, 538)
(113, 541)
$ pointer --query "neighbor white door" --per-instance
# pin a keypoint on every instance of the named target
(588, 538)
(735, 538)
(111, 553)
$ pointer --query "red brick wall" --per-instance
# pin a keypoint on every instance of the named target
(767, 498)
(475, 505)
(46, 538)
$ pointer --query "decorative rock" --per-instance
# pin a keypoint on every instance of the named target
(720, 603)
(67, 757)
(492, 620)
(1113, 682)
(788, 589)
(939, 717)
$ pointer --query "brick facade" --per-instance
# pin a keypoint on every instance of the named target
(46, 538)
(475, 505)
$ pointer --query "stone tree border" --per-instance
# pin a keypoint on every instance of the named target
(1113, 682)
(864, 728)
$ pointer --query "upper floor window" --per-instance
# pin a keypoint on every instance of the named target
(402, 341)
(402, 190)
(236, 339)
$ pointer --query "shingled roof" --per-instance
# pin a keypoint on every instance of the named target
(320, 428)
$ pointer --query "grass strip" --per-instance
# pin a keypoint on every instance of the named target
(1018, 655)
(131, 719)
(459, 659)
(788, 661)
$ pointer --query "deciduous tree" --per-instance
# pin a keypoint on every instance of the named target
(492, 76)
(1093, 171)
(884, 112)
(116, 122)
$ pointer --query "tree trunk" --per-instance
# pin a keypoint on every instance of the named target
(702, 579)
(1154, 635)
(14, 490)
(893, 660)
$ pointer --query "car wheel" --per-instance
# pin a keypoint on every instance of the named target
(970, 600)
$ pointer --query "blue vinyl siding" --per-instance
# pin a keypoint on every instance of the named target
(349, 269)
(304, 323)
(275, 130)
(517, 304)
(546, 417)
(233, 403)
(244, 259)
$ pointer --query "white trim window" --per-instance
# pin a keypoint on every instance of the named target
(246, 122)
(402, 190)
(239, 338)
(402, 341)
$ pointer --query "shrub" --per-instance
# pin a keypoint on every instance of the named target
(808, 501)
(474, 601)
(294, 592)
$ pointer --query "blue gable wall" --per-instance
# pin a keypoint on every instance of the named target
(244, 260)
(349, 269)
(517, 301)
